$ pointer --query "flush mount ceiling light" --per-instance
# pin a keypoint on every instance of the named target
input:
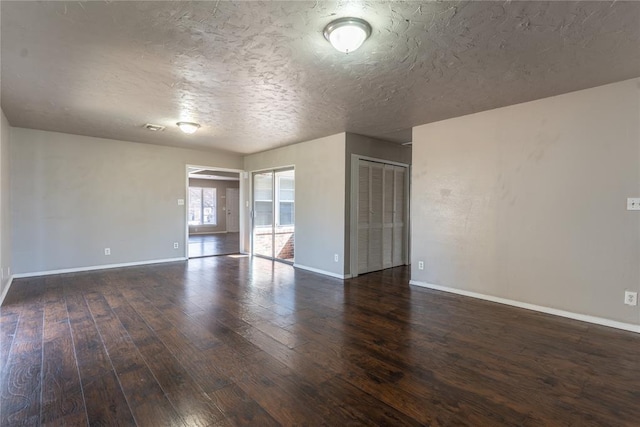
(188, 127)
(347, 34)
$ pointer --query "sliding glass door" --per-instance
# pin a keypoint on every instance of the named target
(274, 214)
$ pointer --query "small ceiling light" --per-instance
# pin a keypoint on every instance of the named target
(153, 128)
(188, 127)
(347, 34)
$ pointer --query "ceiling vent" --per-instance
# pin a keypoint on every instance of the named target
(153, 128)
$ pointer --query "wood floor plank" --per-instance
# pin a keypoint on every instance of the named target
(21, 381)
(62, 396)
(21, 385)
(146, 399)
(187, 397)
(240, 409)
(104, 400)
(364, 408)
(8, 326)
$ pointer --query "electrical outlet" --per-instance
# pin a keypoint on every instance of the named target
(107, 251)
(336, 258)
(175, 245)
(180, 202)
(633, 204)
(420, 265)
(630, 298)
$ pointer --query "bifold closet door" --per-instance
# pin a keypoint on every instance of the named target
(381, 210)
(388, 206)
(399, 256)
(364, 183)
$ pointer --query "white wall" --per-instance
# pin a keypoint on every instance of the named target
(75, 195)
(528, 202)
(5, 213)
(319, 198)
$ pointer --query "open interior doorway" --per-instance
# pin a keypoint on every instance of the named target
(213, 209)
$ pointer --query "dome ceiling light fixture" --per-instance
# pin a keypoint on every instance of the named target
(188, 127)
(347, 34)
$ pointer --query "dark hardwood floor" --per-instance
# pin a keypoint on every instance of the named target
(201, 245)
(241, 341)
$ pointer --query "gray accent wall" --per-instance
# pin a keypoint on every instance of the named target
(74, 195)
(528, 202)
(5, 212)
(221, 204)
(319, 197)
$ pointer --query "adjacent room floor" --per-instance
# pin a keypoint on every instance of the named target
(201, 245)
(242, 341)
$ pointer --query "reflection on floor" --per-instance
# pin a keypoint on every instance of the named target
(214, 244)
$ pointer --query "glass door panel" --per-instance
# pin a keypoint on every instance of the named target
(263, 214)
(284, 230)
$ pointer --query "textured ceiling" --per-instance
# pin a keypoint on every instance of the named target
(258, 75)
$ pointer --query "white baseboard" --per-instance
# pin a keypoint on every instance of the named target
(326, 273)
(533, 307)
(6, 290)
(96, 267)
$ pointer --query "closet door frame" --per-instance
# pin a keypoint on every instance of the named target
(353, 223)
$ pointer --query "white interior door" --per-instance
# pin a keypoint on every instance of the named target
(233, 207)
(381, 216)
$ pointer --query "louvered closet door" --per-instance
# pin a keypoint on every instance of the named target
(381, 216)
(364, 180)
(399, 206)
(376, 196)
(388, 204)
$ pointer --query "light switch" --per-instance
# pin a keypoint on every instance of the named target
(180, 202)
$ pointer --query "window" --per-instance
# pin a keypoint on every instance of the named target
(263, 215)
(286, 198)
(202, 206)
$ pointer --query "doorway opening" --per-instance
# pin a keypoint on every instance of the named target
(273, 233)
(213, 208)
